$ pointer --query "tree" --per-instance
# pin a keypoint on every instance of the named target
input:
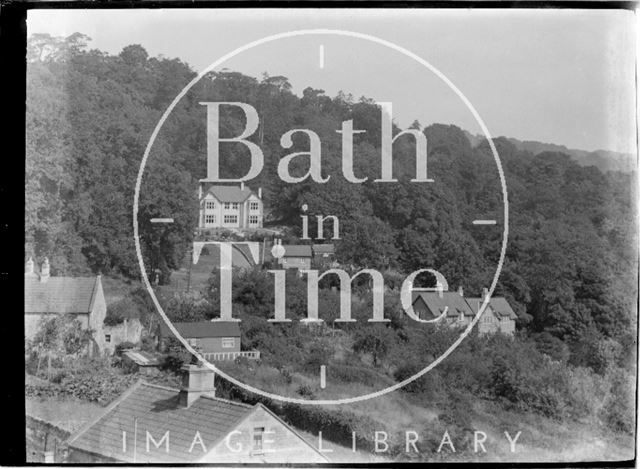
(375, 340)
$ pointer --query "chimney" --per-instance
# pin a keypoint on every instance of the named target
(242, 186)
(44, 271)
(439, 289)
(28, 269)
(197, 381)
(485, 293)
(260, 193)
(460, 291)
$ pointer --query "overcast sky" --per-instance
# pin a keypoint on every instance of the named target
(558, 76)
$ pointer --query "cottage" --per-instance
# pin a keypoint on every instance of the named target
(216, 340)
(229, 206)
(498, 316)
(156, 424)
(46, 296)
(430, 303)
(296, 256)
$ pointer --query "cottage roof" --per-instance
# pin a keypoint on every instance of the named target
(437, 304)
(319, 249)
(157, 409)
(498, 305)
(60, 294)
(202, 329)
(232, 194)
(297, 250)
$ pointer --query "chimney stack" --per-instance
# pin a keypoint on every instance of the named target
(28, 270)
(260, 193)
(485, 293)
(439, 289)
(44, 271)
(460, 291)
(197, 381)
(242, 186)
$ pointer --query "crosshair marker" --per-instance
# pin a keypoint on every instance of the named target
(323, 376)
(484, 222)
(162, 220)
(321, 55)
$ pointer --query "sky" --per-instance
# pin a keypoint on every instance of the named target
(558, 76)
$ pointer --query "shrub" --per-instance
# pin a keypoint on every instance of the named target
(305, 391)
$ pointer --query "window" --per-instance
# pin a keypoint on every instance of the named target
(258, 435)
(231, 218)
(227, 205)
(234, 206)
(107, 338)
(253, 206)
(228, 342)
(210, 205)
(253, 219)
(209, 218)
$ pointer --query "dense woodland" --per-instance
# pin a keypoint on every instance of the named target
(571, 265)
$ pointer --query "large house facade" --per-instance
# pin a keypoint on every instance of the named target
(229, 206)
(81, 297)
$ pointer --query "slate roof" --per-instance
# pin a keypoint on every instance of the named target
(230, 193)
(320, 249)
(157, 409)
(297, 250)
(60, 294)
(498, 305)
(201, 329)
(436, 305)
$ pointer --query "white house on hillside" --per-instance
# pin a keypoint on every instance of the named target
(46, 297)
(229, 206)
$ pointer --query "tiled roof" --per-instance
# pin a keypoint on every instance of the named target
(59, 294)
(498, 305)
(230, 193)
(297, 250)
(319, 249)
(157, 409)
(436, 305)
(200, 329)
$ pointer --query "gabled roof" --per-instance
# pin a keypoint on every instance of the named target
(202, 329)
(436, 304)
(60, 294)
(297, 250)
(157, 409)
(498, 304)
(233, 194)
(319, 249)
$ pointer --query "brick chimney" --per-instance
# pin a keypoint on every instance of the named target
(242, 186)
(28, 269)
(197, 380)
(439, 289)
(460, 291)
(44, 271)
(485, 293)
(260, 193)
